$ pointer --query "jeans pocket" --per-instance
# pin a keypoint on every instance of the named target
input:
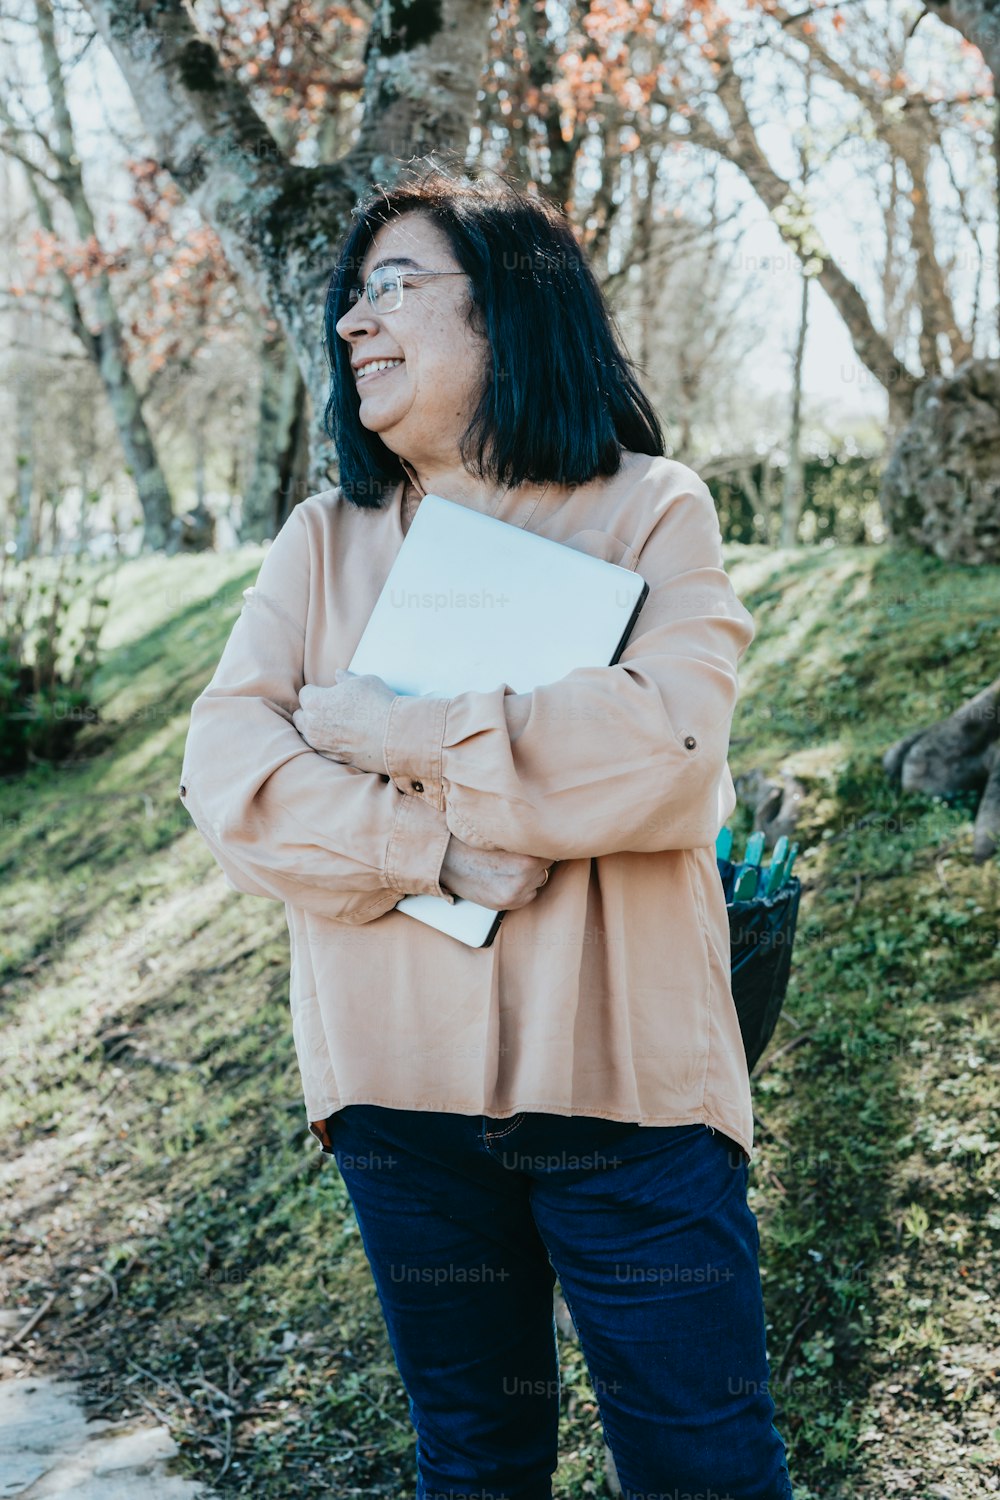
(323, 1131)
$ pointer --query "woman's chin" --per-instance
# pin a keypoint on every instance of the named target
(379, 420)
(373, 419)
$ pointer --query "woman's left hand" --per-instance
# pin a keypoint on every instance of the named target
(347, 722)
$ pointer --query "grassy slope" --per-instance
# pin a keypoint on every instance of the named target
(160, 1181)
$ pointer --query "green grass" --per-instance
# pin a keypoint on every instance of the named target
(205, 1259)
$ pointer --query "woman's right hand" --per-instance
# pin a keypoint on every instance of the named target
(491, 877)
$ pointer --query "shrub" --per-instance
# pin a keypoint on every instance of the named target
(45, 668)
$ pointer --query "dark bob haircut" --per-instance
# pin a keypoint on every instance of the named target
(559, 400)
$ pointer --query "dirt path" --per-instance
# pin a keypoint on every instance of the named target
(48, 1448)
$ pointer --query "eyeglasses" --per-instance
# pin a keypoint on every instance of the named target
(385, 287)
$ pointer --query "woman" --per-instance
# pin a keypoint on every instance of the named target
(572, 1101)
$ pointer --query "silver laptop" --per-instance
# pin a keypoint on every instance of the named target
(472, 602)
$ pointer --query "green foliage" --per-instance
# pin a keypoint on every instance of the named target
(840, 500)
(48, 656)
(877, 1173)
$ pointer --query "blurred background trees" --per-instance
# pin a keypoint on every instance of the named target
(792, 208)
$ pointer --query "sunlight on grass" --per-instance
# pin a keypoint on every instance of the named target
(153, 1124)
(152, 591)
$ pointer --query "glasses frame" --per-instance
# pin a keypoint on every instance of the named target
(402, 276)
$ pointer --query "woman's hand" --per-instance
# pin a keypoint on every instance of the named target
(347, 722)
(492, 877)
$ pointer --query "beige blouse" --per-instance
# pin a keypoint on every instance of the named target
(609, 993)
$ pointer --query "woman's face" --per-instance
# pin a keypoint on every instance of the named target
(421, 407)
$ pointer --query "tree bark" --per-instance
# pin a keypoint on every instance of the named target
(282, 392)
(941, 487)
(792, 495)
(792, 492)
(24, 539)
(279, 224)
(979, 22)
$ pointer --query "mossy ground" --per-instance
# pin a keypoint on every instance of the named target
(203, 1259)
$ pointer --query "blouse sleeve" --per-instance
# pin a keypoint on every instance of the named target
(282, 820)
(629, 758)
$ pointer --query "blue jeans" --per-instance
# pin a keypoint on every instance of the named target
(467, 1221)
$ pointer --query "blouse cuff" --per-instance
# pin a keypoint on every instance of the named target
(416, 850)
(414, 736)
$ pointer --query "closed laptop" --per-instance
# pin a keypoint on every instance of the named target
(472, 603)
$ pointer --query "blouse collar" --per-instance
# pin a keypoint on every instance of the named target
(412, 475)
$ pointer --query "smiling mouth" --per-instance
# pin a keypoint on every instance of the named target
(374, 374)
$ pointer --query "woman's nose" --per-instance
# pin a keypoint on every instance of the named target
(357, 319)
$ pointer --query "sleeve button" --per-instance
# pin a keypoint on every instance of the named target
(690, 743)
(418, 786)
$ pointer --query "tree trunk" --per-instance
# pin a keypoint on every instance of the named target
(135, 436)
(768, 505)
(86, 451)
(792, 489)
(278, 222)
(82, 515)
(941, 486)
(24, 539)
(296, 483)
(962, 487)
(792, 496)
(282, 392)
(107, 346)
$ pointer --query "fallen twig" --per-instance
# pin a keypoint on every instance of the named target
(794, 1339)
(796, 1041)
(32, 1322)
(770, 1131)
